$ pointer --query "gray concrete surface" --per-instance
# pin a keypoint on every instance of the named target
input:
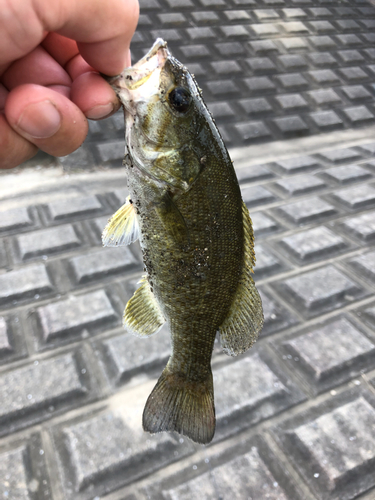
(296, 414)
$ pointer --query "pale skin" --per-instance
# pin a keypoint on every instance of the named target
(51, 54)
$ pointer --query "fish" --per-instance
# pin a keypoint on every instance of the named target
(196, 236)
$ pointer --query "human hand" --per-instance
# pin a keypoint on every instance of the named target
(50, 55)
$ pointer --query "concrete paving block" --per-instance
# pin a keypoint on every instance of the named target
(263, 47)
(70, 316)
(324, 76)
(15, 218)
(47, 241)
(225, 68)
(346, 174)
(24, 283)
(294, 27)
(320, 59)
(293, 43)
(267, 264)
(5, 345)
(323, 289)
(349, 40)
(264, 14)
(291, 102)
(350, 56)
(23, 473)
(33, 393)
(313, 244)
(291, 13)
(222, 87)
(171, 35)
(296, 165)
(71, 207)
(340, 155)
(195, 51)
(257, 195)
(259, 105)
(253, 130)
(172, 19)
(263, 225)
(237, 15)
(206, 17)
(260, 84)
(353, 74)
(322, 42)
(307, 211)
(338, 446)
(362, 226)
(291, 125)
(265, 29)
(301, 184)
(261, 65)
(326, 120)
(248, 391)
(235, 31)
(321, 26)
(276, 317)
(329, 354)
(320, 12)
(99, 265)
(253, 173)
(126, 355)
(200, 33)
(293, 62)
(364, 265)
(228, 49)
(362, 196)
(101, 452)
(233, 480)
(293, 81)
(358, 115)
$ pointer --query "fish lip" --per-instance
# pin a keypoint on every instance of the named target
(130, 77)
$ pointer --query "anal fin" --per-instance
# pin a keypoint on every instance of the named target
(241, 327)
(122, 228)
(142, 315)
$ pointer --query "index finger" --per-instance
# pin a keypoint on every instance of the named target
(102, 28)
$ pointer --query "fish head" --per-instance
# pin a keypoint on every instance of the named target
(161, 100)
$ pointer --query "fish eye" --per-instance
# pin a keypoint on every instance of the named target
(180, 99)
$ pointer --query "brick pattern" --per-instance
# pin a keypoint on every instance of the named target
(62, 347)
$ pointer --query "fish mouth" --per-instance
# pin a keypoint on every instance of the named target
(137, 75)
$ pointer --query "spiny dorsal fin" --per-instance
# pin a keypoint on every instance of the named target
(122, 228)
(241, 327)
(142, 315)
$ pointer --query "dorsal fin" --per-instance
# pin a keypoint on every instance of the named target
(122, 228)
(142, 315)
(241, 327)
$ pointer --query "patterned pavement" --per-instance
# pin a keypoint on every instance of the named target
(296, 413)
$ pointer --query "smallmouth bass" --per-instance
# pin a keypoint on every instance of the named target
(196, 236)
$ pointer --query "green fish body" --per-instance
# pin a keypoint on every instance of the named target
(185, 206)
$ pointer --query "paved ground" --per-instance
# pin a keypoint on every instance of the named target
(296, 414)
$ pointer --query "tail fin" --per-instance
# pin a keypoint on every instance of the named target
(176, 404)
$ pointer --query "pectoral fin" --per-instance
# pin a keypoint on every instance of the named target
(142, 315)
(122, 228)
(241, 327)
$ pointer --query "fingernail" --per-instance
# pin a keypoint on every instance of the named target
(40, 120)
(101, 111)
